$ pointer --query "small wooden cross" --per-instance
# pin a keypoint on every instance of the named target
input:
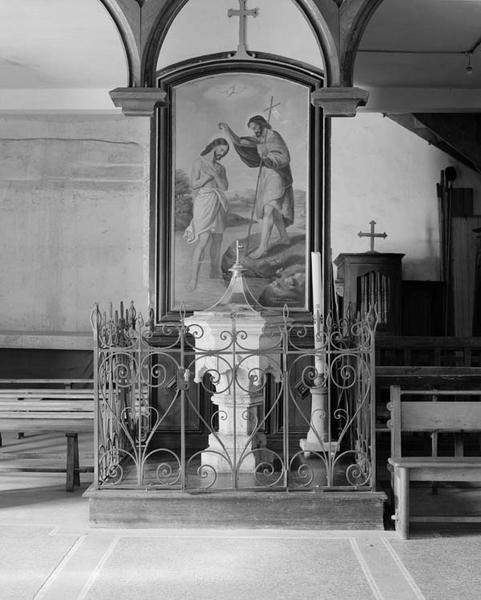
(372, 235)
(243, 12)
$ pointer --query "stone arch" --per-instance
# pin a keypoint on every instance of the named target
(325, 38)
(129, 40)
(365, 10)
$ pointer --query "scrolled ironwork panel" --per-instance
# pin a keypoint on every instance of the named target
(294, 411)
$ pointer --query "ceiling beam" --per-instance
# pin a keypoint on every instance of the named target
(460, 132)
(456, 134)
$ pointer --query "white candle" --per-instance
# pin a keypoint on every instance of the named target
(316, 277)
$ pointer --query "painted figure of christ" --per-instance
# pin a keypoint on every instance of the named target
(209, 182)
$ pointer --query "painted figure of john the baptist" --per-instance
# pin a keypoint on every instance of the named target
(274, 200)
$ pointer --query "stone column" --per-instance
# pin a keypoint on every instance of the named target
(234, 350)
(239, 413)
(238, 342)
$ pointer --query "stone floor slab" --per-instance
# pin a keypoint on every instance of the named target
(28, 556)
(234, 568)
(443, 567)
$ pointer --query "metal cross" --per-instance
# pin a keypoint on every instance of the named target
(372, 235)
(243, 12)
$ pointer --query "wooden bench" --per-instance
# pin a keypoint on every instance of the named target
(48, 405)
(433, 417)
(46, 401)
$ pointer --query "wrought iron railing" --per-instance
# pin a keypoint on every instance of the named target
(295, 412)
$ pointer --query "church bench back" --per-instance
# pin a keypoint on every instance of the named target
(428, 377)
(447, 351)
(432, 416)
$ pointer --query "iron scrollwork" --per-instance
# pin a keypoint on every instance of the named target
(134, 358)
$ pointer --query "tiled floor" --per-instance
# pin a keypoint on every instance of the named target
(49, 552)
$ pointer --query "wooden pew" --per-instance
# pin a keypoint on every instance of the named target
(47, 409)
(48, 404)
(429, 416)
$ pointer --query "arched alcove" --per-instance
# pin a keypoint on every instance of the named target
(209, 30)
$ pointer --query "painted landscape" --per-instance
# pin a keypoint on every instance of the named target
(275, 279)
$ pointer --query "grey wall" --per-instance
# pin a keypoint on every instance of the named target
(73, 217)
(385, 173)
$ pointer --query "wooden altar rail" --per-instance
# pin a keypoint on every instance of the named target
(48, 404)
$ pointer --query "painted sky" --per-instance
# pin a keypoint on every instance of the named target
(233, 98)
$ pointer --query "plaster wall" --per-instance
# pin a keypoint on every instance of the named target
(74, 202)
(74, 217)
(383, 172)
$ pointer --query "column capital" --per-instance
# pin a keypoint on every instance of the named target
(138, 102)
(339, 101)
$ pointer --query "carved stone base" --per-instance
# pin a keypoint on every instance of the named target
(215, 455)
(316, 446)
(220, 454)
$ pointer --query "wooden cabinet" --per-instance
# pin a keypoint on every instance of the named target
(371, 279)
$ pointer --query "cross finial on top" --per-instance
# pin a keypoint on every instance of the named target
(372, 235)
(242, 12)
